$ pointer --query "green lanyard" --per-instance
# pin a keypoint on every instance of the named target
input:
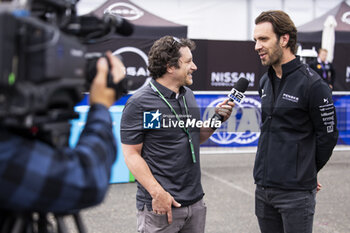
(178, 118)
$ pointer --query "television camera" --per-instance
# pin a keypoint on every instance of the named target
(44, 71)
(45, 67)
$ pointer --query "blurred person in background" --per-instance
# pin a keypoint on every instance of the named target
(324, 68)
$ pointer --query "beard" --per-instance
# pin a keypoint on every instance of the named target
(274, 56)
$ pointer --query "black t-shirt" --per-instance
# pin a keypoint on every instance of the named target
(148, 119)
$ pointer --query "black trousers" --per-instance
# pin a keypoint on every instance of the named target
(284, 211)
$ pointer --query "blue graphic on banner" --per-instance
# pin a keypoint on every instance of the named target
(342, 107)
(241, 129)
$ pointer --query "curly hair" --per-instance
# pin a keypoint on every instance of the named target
(282, 24)
(165, 53)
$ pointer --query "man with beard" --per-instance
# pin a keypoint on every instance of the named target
(165, 160)
(298, 131)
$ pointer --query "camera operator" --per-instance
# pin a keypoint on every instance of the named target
(36, 177)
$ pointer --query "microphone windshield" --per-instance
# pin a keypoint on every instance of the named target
(122, 26)
(241, 85)
(126, 28)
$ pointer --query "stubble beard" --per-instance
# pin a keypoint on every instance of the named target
(275, 56)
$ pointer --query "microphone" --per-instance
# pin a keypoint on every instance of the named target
(89, 27)
(236, 95)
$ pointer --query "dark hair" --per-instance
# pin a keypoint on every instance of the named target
(164, 53)
(282, 24)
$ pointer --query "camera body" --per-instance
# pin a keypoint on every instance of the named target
(44, 67)
(41, 67)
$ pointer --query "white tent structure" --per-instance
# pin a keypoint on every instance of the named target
(328, 36)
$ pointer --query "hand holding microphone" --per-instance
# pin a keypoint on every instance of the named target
(236, 96)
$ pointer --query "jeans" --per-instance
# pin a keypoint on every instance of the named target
(284, 211)
(189, 219)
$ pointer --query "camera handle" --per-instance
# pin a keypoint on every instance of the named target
(61, 226)
(39, 223)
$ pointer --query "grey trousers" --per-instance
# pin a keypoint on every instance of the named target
(189, 219)
(284, 211)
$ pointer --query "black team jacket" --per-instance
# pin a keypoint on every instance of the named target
(298, 131)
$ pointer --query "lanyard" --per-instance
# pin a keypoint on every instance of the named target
(324, 71)
(178, 118)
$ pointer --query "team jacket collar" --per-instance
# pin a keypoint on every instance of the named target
(287, 68)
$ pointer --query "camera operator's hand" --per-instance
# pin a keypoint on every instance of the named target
(99, 92)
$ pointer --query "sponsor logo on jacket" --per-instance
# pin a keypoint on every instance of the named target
(290, 98)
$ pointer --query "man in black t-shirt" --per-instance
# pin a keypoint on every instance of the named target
(160, 148)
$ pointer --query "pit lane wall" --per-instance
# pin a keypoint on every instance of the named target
(241, 130)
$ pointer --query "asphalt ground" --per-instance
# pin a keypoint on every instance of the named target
(229, 195)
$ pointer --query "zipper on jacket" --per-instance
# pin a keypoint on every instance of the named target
(269, 118)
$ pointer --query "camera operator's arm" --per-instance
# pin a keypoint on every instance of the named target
(36, 177)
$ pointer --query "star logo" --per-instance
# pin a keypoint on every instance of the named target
(151, 120)
(156, 115)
